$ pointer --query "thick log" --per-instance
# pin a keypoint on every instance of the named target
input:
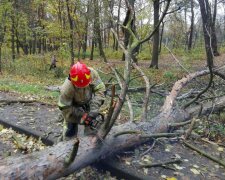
(49, 163)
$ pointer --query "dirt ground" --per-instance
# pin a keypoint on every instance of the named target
(43, 118)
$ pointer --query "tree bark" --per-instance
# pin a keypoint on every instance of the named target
(190, 39)
(207, 29)
(214, 37)
(117, 25)
(155, 52)
(71, 32)
(49, 163)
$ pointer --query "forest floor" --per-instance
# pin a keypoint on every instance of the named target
(43, 118)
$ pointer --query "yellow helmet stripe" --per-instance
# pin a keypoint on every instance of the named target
(87, 76)
(75, 79)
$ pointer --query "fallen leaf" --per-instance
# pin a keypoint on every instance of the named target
(171, 178)
(127, 162)
(163, 176)
(195, 166)
(195, 171)
(178, 167)
(177, 156)
(220, 149)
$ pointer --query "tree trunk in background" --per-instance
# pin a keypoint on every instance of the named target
(207, 25)
(71, 33)
(92, 47)
(84, 44)
(191, 31)
(214, 38)
(13, 35)
(155, 52)
(34, 43)
(98, 30)
(60, 7)
(117, 25)
(161, 36)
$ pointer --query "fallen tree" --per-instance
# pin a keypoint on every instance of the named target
(50, 163)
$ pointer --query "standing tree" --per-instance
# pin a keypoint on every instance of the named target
(191, 30)
(155, 52)
(71, 23)
(214, 37)
(3, 17)
(97, 30)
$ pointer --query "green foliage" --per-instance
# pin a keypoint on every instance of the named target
(217, 130)
(168, 75)
(112, 54)
(35, 68)
(8, 84)
(145, 53)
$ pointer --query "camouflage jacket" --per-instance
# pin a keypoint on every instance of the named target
(72, 96)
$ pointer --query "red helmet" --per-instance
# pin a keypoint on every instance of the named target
(80, 75)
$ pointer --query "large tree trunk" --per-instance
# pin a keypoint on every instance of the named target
(49, 163)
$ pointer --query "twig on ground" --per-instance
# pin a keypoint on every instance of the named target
(161, 163)
(211, 142)
(8, 102)
(222, 163)
(149, 149)
(158, 135)
(127, 132)
(173, 125)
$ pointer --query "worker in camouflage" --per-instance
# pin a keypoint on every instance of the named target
(81, 96)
